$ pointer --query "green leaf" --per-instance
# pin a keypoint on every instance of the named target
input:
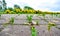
(12, 20)
(33, 31)
(29, 18)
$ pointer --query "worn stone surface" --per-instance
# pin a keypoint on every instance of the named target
(24, 30)
(21, 19)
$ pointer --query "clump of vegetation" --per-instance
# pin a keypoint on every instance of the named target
(29, 18)
(50, 25)
(12, 21)
(17, 9)
(33, 31)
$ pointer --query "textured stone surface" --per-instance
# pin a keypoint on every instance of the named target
(24, 30)
(21, 19)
